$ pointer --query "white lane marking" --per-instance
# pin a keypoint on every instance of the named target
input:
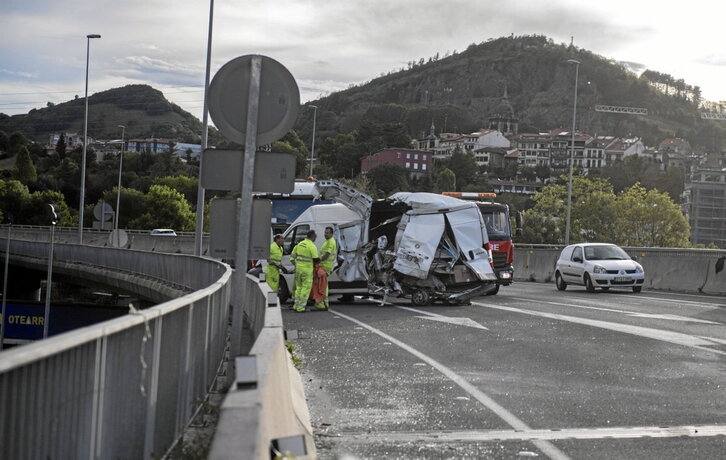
(511, 419)
(468, 322)
(671, 317)
(691, 431)
(699, 343)
(625, 312)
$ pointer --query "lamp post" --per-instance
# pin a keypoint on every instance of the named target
(85, 145)
(118, 191)
(312, 149)
(198, 230)
(572, 154)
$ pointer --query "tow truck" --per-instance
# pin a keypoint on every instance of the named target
(496, 218)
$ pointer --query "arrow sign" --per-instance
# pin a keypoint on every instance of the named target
(446, 319)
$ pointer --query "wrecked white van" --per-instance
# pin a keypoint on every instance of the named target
(424, 246)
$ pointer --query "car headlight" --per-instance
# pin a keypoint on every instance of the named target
(599, 269)
(638, 268)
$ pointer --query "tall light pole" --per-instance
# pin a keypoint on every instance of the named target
(198, 230)
(572, 153)
(85, 145)
(312, 149)
(118, 191)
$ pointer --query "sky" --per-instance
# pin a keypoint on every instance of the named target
(327, 46)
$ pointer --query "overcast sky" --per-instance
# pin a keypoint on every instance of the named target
(327, 46)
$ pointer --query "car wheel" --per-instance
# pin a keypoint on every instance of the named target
(588, 284)
(347, 298)
(561, 285)
(637, 289)
(283, 293)
(494, 291)
(420, 297)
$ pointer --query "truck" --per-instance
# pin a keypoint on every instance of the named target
(286, 207)
(496, 218)
(422, 246)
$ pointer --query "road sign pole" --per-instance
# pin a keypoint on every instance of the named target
(245, 204)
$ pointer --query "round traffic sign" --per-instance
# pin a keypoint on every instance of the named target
(229, 96)
(103, 211)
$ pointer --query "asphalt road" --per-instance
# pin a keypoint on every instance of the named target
(529, 373)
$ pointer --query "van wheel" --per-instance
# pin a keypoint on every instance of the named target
(588, 284)
(283, 293)
(494, 291)
(420, 297)
(561, 285)
(637, 289)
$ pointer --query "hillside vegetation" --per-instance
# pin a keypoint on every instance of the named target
(142, 109)
(459, 92)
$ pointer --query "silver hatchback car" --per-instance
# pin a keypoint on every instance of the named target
(598, 265)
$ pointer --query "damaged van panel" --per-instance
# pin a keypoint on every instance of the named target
(420, 245)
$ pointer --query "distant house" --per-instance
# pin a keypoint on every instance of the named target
(417, 162)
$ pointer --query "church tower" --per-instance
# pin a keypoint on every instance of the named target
(503, 119)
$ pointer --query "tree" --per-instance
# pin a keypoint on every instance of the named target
(445, 181)
(389, 178)
(60, 147)
(165, 208)
(24, 169)
(187, 186)
(464, 167)
(650, 218)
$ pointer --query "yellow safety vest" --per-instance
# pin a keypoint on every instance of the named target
(275, 254)
(305, 252)
(331, 247)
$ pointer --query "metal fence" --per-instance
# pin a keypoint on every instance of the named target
(125, 388)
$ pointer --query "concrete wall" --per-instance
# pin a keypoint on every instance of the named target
(678, 270)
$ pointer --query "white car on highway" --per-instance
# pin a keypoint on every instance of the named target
(598, 265)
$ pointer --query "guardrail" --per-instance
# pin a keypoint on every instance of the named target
(127, 388)
(124, 388)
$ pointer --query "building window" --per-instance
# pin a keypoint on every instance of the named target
(398, 154)
(408, 156)
(424, 157)
(408, 164)
(415, 166)
(415, 156)
(423, 166)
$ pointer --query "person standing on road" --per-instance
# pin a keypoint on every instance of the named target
(302, 256)
(274, 263)
(328, 255)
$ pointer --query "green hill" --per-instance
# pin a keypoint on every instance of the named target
(459, 92)
(142, 109)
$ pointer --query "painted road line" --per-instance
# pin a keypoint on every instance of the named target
(635, 432)
(664, 316)
(656, 334)
(547, 448)
(459, 321)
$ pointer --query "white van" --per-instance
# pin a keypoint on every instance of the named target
(419, 245)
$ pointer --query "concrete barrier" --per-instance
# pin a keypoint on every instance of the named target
(678, 270)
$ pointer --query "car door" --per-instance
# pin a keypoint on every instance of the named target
(576, 267)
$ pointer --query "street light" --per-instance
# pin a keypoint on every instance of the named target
(118, 191)
(572, 153)
(312, 149)
(85, 145)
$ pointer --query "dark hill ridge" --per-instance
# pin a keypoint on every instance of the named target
(460, 92)
(142, 109)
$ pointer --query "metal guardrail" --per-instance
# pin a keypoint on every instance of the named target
(124, 388)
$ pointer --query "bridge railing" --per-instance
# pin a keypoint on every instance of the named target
(124, 388)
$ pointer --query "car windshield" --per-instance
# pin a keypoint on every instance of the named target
(605, 253)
